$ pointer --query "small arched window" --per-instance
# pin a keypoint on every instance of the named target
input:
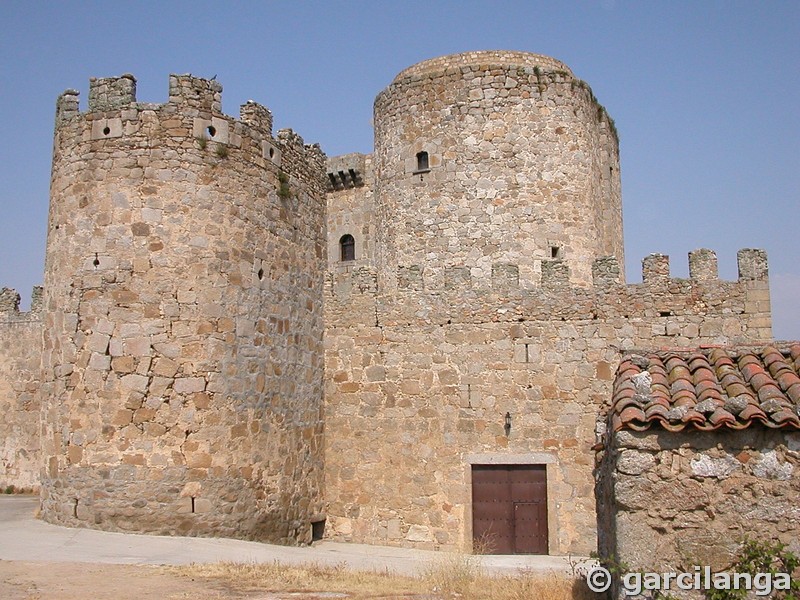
(422, 161)
(347, 247)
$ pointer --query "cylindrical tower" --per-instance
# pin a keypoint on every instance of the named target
(182, 362)
(489, 163)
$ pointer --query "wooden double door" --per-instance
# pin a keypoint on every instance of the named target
(509, 509)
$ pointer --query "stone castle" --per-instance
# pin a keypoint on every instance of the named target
(239, 337)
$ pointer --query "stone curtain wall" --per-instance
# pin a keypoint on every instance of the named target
(20, 346)
(685, 499)
(493, 288)
(524, 167)
(419, 380)
(408, 403)
(182, 362)
(180, 341)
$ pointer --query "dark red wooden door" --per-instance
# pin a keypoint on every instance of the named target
(509, 509)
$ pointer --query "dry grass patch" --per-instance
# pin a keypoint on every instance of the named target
(275, 577)
(461, 576)
(458, 577)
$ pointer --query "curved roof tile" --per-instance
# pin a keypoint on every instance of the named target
(731, 389)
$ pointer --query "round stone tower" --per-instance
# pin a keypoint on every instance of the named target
(489, 164)
(182, 363)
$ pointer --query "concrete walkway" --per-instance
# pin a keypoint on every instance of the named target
(25, 538)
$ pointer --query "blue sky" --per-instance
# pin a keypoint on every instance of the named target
(705, 95)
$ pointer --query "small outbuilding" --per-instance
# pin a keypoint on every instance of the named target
(700, 450)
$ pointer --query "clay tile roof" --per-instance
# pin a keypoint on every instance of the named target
(794, 351)
(708, 389)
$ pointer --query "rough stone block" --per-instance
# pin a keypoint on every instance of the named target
(419, 533)
(133, 383)
(100, 362)
(632, 462)
(98, 342)
(189, 385)
(137, 347)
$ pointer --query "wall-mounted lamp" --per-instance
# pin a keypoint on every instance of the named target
(507, 424)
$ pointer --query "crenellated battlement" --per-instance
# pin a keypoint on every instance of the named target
(10, 300)
(184, 141)
(191, 121)
(703, 268)
(237, 334)
(752, 263)
(670, 310)
(606, 272)
(111, 93)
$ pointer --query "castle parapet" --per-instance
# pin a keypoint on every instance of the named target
(9, 300)
(111, 93)
(703, 265)
(655, 268)
(664, 310)
(555, 274)
(606, 271)
(256, 116)
(195, 92)
(192, 120)
(752, 264)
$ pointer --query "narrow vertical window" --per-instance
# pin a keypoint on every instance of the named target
(422, 161)
(347, 245)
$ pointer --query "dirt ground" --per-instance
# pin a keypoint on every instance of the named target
(257, 581)
(79, 581)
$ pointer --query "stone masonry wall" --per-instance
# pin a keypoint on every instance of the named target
(351, 209)
(182, 361)
(176, 367)
(523, 167)
(690, 498)
(418, 382)
(20, 347)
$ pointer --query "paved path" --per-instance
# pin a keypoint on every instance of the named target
(24, 538)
